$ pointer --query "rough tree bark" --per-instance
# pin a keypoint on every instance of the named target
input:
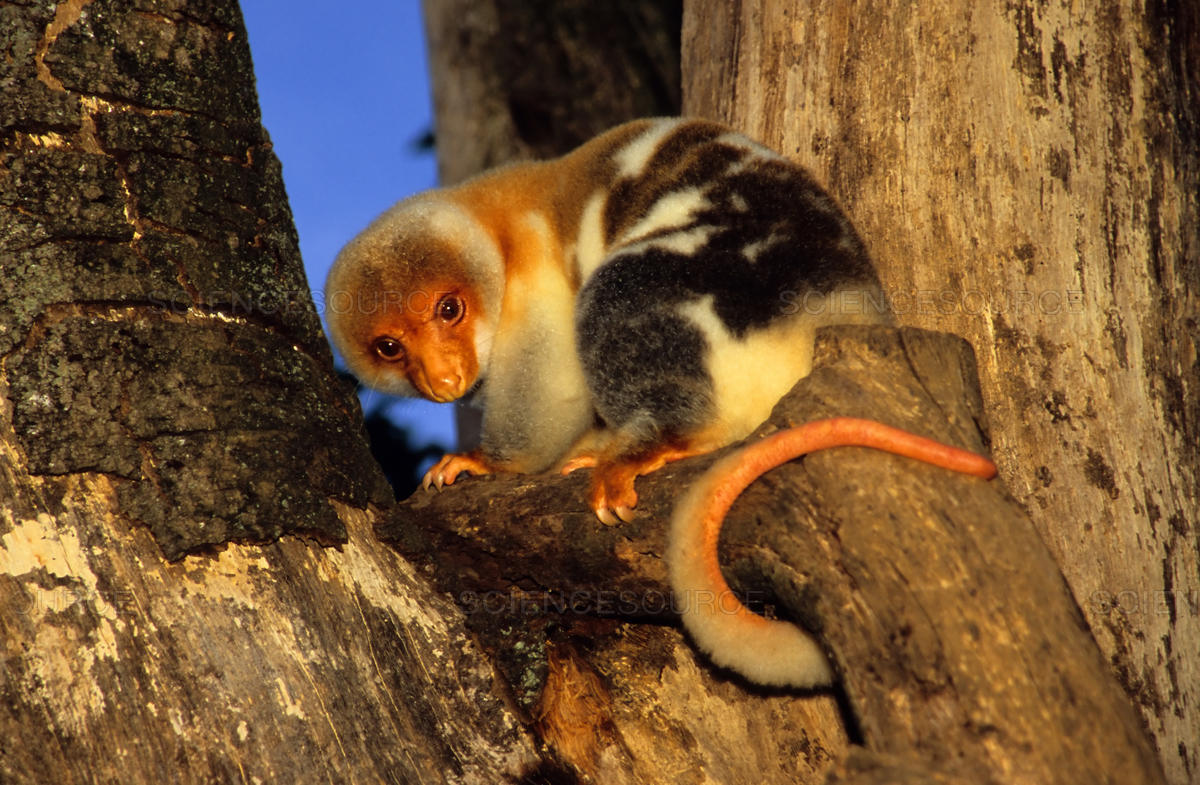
(165, 395)
(1027, 176)
(165, 390)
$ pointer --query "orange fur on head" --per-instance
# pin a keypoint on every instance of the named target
(408, 302)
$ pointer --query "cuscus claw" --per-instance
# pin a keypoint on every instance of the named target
(606, 516)
(612, 516)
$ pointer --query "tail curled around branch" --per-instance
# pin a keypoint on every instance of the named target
(768, 652)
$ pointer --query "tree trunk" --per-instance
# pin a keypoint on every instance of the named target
(517, 79)
(166, 401)
(1026, 176)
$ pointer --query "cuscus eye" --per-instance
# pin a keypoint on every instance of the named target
(450, 309)
(387, 348)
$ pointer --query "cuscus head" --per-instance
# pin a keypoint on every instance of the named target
(412, 302)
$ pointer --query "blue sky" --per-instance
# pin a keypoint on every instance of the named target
(344, 91)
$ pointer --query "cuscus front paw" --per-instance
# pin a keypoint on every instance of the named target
(450, 465)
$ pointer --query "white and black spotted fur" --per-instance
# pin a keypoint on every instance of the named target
(709, 241)
(663, 280)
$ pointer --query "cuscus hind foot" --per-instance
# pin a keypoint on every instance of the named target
(612, 495)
